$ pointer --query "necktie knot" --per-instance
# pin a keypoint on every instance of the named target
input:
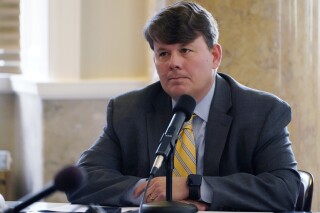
(188, 124)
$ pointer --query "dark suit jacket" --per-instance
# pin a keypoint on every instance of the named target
(248, 160)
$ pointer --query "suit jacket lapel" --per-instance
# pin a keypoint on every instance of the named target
(157, 122)
(217, 128)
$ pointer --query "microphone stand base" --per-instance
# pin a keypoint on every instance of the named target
(168, 207)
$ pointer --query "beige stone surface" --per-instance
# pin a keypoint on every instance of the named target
(7, 134)
(273, 45)
(7, 119)
(69, 128)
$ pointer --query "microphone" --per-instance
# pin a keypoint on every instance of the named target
(69, 178)
(182, 112)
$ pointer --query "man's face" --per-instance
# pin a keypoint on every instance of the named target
(187, 68)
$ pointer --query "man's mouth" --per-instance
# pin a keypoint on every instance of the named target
(176, 78)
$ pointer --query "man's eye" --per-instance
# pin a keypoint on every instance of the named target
(185, 50)
(162, 54)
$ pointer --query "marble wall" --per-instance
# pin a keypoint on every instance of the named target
(71, 126)
(7, 135)
(7, 121)
(58, 132)
(273, 45)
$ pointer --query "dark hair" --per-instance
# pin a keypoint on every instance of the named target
(182, 22)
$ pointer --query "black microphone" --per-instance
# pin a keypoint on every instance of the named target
(69, 178)
(182, 112)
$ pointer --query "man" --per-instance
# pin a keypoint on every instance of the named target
(243, 152)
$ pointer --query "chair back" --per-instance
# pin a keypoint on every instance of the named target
(304, 200)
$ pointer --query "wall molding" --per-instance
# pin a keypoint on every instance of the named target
(74, 89)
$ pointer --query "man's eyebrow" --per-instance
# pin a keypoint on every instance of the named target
(160, 49)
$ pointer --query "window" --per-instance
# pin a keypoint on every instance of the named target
(9, 36)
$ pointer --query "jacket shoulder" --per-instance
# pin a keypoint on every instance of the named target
(245, 94)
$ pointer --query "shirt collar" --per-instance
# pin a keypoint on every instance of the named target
(203, 107)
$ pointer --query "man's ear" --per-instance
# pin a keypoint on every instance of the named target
(217, 55)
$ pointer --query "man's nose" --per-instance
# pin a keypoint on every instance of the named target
(175, 61)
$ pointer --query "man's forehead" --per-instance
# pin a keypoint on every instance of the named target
(161, 45)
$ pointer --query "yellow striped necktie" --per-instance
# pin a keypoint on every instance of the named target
(185, 153)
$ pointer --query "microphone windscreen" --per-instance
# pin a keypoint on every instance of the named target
(185, 104)
(69, 178)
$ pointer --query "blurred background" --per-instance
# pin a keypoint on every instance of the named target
(61, 61)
